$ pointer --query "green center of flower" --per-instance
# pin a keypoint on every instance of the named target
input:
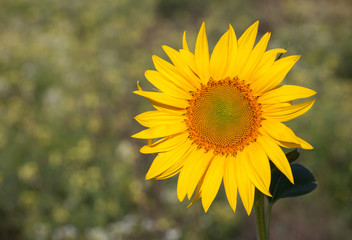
(227, 113)
(223, 116)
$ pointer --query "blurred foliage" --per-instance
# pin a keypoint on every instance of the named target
(69, 169)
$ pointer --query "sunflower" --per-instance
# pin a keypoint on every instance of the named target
(220, 118)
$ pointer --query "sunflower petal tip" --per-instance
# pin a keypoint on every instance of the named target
(189, 205)
(143, 150)
(256, 24)
(138, 135)
(205, 207)
(310, 103)
(305, 145)
(233, 208)
(146, 73)
(297, 57)
(231, 29)
(202, 28)
(180, 197)
(138, 86)
(292, 180)
(248, 210)
(289, 176)
(309, 147)
(184, 42)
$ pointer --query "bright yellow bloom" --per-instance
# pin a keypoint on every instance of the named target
(220, 119)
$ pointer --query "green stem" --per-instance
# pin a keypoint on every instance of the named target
(260, 215)
(267, 220)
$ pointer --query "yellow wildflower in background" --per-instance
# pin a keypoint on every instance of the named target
(220, 119)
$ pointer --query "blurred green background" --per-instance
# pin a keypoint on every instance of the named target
(68, 167)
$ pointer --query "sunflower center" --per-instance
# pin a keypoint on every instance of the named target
(223, 116)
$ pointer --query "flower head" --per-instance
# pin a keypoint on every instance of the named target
(220, 119)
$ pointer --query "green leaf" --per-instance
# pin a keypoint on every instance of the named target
(292, 156)
(281, 187)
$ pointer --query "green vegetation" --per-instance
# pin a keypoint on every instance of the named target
(68, 167)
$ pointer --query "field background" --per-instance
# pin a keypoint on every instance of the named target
(68, 167)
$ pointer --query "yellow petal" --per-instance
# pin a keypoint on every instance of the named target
(170, 72)
(165, 144)
(197, 171)
(232, 55)
(164, 85)
(193, 158)
(198, 191)
(163, 99)
(157, 118)
(282, 133)
(170, 173)
(165, 160)
(202, 55)
(166, 108)
(161, 131)
(175, 168)
(274, 75)
(302, 144)
(285, 93)
(257, 167)
(218, 60)
(163, 107)
(276, 155)
(230, 182)
(245, 46)
(275, 106)
(265, 63)
(245, 187)
(190, 60)
(212, 180)
(286, 113)
(182, 66)
(184, 42)
(248, 37)
(255, 57)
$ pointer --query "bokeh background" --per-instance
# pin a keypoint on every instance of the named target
(68, 167)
